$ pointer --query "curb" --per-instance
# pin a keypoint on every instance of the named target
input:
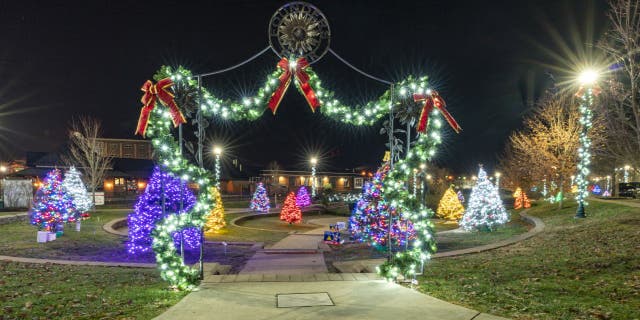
(6, 219)
(536, 222)
(111, 226)
(79, 263)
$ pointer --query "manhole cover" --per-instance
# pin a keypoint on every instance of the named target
(291, 300)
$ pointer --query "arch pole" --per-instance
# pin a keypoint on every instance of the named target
(392, 151)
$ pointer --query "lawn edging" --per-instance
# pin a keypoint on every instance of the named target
(79, 262)
(6, 219)
(113, 225)
(371, 264)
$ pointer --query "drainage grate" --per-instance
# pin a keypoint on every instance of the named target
(292, 300)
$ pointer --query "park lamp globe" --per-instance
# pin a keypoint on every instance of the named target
(217, 150)
(588, 77)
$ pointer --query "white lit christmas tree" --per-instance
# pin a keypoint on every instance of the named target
(485, 210)
(75, 188)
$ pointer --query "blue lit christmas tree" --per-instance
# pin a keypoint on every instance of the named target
(485, 210)
(369, 221)
(148, 210)
(52, 206)
(260, 200)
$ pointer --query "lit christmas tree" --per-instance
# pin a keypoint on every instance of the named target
(450, 207)
(290, 211)
(485, 210)
(52, 206)
(148, 210)
(260, 200)
(521, 199)
(460, 196)
(215, 221)
(369, 221)
(74, 187)
(302, 198)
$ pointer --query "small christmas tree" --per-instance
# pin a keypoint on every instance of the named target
(302, 198)
(460, 196)
(260, 200)
(521, 199)
(74, 187)
(215, 221)
(450, 207)
(290, 211)
(52, 206)
(162, 189)
(485, 210)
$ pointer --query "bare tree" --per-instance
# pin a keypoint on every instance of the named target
(621, 97)
(87, 153)
(548, 145)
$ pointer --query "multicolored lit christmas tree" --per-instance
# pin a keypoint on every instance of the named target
(302, 197)
(450, 207)
(75, 188)
(290, 212)
(369, 221)
(485, 210)
(165, 190)
(260, 200)
(215, 221)
(52, 206)
(521, 199)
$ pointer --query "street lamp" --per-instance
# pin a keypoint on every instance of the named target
(217, 150)
(626, 173)
(313, 161)
(498, 180)
(587, 92)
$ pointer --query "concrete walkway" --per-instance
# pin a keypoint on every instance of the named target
(295, 254)
(628, 203)
(372, 299)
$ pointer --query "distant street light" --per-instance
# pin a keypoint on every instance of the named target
(217, 150)
(498, 180)
(313, 161)
(587, 92)
(626, 173)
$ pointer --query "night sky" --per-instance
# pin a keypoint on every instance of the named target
(60, 59)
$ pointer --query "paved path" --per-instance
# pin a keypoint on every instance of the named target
(628, 203)
(370, 299)
(295, 254)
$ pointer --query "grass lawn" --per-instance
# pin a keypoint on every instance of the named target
(576, 269)
(45, 291)
(94, 244)
(236, 204)
(456, 241)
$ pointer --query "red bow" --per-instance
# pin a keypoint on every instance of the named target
(595, 90)
(160, 92)
(432, 100)
(285, 79)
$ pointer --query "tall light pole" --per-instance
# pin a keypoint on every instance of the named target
(498, 180)
(588, 91)
(313, 161)
(626, 173)
(218, 152)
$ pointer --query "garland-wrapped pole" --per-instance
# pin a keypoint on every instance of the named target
(200, 164)
(587, 94)
(391, 147)
(181, 195)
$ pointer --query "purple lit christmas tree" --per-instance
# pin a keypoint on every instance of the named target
(302, 197)
(52, 206)
(148, 210)
(370, 217)
(260, 200)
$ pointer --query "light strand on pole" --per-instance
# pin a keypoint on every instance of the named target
(584, 153)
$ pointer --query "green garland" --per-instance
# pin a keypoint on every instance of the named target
(399, 196)
(251, 108)
(184, 277)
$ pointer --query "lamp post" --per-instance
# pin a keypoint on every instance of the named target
(626, 173)
(498, 180)
(587, 92)
(313, 161)
(609, 185)
(218, 152)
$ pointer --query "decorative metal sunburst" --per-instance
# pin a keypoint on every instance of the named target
(299, 29)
